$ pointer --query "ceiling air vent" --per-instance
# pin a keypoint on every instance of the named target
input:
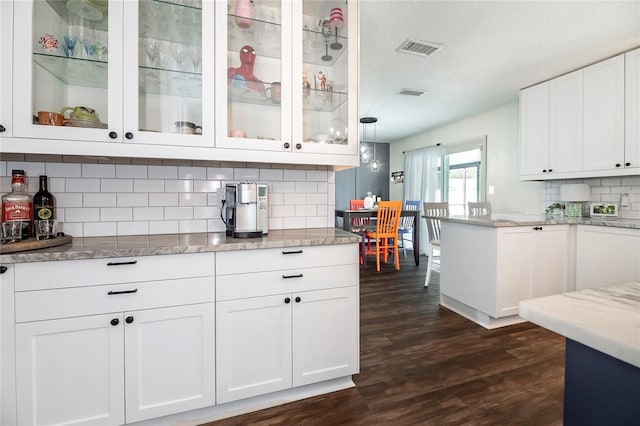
(418, 47)
(412, 92)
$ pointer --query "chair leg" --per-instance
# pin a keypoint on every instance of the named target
(378, 254)
(429, 264)
(396, 254)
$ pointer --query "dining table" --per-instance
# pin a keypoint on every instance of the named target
(348, 215)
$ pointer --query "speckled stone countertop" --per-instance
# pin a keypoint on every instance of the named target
(606, 318)
(520, 219)
(147, 245)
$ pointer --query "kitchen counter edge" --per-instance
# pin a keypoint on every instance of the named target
(149, 245)
(505, 219)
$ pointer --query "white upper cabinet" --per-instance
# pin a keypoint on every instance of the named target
(565, 125)
(113, 72)
(632, 110)
(286, 77)
(6, 51)
(603, 146)
(534, 130)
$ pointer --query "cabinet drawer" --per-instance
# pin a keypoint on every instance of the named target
(92, 300)
(243, 261)
(229, 287)
(77, 273)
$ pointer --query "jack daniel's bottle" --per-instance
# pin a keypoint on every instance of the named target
(17, 205)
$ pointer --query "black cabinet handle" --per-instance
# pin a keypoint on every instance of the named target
(550, 170)
(111, 293)
(298, 299)
(3, 269)
(128, 135)
(287, 145)
(537, 228)
(286, 277)
(130, 262)
(2, 129)
(287, 300)
(292, 252)
(128, 320)
(627, 164)
(298, 146)
(115, 321)
(544, 171)
(617, 164)
(113, 135)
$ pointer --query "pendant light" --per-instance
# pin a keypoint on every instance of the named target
(363, 150)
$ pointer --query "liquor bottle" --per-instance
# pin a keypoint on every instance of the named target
(43, 202)
(17, 206)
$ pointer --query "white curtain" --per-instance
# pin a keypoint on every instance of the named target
(422, 181)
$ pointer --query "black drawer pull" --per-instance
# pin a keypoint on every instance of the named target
(3, 269)
(111, 293)
(131, 262)
(292, 276)
(292, 252)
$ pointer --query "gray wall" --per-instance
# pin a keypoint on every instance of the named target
(355, 183)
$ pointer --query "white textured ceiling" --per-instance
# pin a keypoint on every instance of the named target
(491, 50)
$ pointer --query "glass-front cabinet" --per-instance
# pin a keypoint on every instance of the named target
(113, 71)
(6, 81)
(286, 77)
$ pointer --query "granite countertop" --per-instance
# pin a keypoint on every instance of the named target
(147, 245)
(521, 219)
(606, 318)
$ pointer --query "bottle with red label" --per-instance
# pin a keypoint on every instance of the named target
(17, 205)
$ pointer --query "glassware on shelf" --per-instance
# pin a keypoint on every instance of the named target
(152, 48)
(326, 35)
(69, 44)
(336, 21)
(196, 57)
(178, 51)
(244, 14)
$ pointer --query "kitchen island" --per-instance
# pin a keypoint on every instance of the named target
(176, 329)
(602, 371)
(490, 263)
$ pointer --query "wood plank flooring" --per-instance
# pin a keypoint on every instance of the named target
(421, 364)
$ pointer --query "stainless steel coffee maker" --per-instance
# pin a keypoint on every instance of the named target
(246, 210)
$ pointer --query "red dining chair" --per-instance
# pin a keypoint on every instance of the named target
(359, 225)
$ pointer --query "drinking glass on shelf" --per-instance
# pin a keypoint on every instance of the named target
(69, 44)
(196, 57)
(178, 51)
(152, 48)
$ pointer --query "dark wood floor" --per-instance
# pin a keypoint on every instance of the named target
(423, 364)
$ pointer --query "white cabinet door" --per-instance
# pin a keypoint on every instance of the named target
(603, 147)
(325, 335)
(534, 130)
(632, 110)
(515, 252)
(550, 265)
(170, 360)
(253, 347)
(7, 345)
(70, 371)
(6, 79)
(606, 256)
(565, 121)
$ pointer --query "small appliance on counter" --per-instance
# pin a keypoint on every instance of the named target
(246, 210)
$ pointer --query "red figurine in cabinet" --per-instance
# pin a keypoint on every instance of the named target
(243, 76)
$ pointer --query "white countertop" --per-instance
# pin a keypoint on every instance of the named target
(606, 318)
(499, 220)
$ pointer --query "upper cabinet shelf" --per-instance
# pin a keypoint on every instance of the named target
(74, 71)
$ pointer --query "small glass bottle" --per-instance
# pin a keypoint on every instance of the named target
(43, 211)
(17, 206)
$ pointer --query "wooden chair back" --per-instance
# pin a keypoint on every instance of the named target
(435, 210)
(388, 219)
(479, 209)
(358, 222)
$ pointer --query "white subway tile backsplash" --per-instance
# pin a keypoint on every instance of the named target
(178, 185)
(99, 199)
(132, 200)
(165, 199)
(124, 171)
(66, 170)
(178, 213)
(79, 214)
(162, 172)
(246, 174)
(99, 229)
(148, 213)
(116, 185)
(82, 185)
(99, 170)
(148, 185)
(116, 214)
(630, 180)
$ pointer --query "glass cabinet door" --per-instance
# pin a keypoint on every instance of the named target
(6, 82)
(254, 80)
(325, 63)
(63, 69)
(167, 53)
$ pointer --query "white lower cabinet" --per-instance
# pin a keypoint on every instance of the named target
(124, 347)
(606, 255)
(293, 324)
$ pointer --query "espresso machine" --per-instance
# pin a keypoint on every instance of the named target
(246, 210)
